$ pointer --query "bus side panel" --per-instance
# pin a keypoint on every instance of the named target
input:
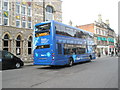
(60, 58)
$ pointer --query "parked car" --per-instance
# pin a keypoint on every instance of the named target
(8, 60)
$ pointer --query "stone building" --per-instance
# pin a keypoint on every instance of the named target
(118, 43)
(103, 35)
(17, 20)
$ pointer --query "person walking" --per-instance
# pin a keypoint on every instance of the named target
(116, 52)
(99, 55)
(112, 53)
(106, 52)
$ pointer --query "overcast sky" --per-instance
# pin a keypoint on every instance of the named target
(82, 12)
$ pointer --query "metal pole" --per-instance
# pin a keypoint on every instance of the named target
(44, 10)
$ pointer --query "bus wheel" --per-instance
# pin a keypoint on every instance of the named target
(70, 63)
(90, 58)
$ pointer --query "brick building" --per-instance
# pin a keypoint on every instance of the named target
(104, 36)
(17, 20)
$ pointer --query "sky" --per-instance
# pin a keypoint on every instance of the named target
(82, 12)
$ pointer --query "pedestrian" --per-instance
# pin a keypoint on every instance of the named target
(116, 52)
(106, 52)
(99, 55)
(112, 53)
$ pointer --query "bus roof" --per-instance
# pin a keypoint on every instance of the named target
(90, 33)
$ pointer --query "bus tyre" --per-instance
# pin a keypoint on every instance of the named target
(90, 58)
(70, 63)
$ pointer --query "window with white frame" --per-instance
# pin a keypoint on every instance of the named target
(18, 9)
(29, 12)
(49, 13)
(23, 10)
(1, 4)
(105, 33)
(97, 31)
(18, 23)
(5, 21)
(29, 24)
(100, 32)
(23, 24)
(0, 17)
(5, 5)
(0, 21)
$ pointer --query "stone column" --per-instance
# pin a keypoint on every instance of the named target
(0, 39)
(0, 43)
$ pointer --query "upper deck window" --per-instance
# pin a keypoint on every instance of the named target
(67, 31)
(43, 27)
(42, 30)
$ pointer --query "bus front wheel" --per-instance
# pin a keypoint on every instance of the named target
(70, 62)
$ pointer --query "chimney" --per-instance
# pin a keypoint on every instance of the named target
(70, 23)
(99, 18)
(107, 22)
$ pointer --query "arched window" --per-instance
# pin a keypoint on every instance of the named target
(49, 9)
(18, 45)
(49, 13)
(6, 42)
(30, 45)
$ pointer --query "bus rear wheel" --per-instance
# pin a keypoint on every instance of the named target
(70, 62)
(90, 58)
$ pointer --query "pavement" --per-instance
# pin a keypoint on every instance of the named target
(28, 64)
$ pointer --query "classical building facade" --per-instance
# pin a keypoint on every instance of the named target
(104, 36)
(17, 20)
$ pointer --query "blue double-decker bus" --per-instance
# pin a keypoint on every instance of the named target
(58, 44)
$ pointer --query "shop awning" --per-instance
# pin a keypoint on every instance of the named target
(102, 38)
(110, 39)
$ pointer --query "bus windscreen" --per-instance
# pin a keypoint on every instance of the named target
(43, 27)
(42, 30)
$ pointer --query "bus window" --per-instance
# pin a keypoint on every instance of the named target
(58, 29)
(69, 49)
(43, 46)
(81, 49)
(59, 48)
(42, 30)
(43, 27)
(68, 31)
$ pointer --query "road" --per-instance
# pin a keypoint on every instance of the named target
(99, 73)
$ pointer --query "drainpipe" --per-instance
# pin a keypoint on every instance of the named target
(44, 10)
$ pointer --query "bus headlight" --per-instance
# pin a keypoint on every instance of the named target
(36, 54)
(48, 54)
